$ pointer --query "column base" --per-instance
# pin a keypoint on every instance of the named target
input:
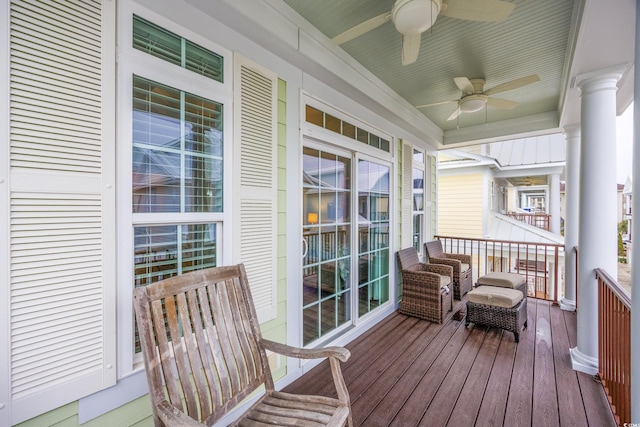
(567, 305)
(582, 363)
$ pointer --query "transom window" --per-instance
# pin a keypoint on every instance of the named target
(334, 124)
(177, 50)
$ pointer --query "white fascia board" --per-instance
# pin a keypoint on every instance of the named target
(522, 127)
(464, 155)
(601, 39)
(526, 170)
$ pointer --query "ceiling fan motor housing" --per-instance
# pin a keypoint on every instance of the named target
(415, 16)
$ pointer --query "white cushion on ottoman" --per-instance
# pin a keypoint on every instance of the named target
(495, 296)
(501, 279)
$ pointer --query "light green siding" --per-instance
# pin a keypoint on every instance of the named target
(276, 329)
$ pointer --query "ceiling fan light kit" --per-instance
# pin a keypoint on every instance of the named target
(473, 103)
(474, 97)
(415, 16)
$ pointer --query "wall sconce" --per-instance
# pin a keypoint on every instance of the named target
(312, 218)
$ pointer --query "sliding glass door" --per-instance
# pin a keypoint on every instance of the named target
(373, 235)
(326, 212)
(336, 280)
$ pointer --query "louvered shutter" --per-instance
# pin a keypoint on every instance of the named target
(255, 181)
(407, 196)
(62, 206)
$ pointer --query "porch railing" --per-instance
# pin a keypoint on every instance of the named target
(540, 220)
(539, 263)
(614, 344)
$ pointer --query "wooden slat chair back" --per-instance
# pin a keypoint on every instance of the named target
(204, 354)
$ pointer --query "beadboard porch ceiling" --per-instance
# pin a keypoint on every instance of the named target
(557, 40)
(539, 37)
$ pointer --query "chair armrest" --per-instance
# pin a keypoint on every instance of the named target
(447, 261)
(340, 353)
(172, 416)
(335, 355)
(439, 269)
(460, 257)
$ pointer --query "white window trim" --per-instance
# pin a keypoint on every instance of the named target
(422, 167)
(132, 61)
(132, 381)
(5, 324)
(317, 132)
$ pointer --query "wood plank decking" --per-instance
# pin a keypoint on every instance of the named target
(410, 372)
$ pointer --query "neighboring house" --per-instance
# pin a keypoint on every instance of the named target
(506, 191)
(475, 191)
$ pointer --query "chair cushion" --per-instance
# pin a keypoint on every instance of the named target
(445, 281)
(464, 266)
(495, 296)
(501, 279)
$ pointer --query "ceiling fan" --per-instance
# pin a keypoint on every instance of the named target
(413, 17)
(475, 98)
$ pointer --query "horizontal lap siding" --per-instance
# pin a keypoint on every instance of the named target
(460, 205)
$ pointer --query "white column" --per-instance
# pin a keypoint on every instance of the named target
(635, 228)
(554, 203)
(597, 216)
(571, 193)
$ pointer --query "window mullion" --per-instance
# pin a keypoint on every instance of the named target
(183, 129)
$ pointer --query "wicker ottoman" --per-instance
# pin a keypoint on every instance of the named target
(498, 307)
(504, 280)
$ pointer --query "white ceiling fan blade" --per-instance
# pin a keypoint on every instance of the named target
(478, 10)
(503, 104)
(455, 114)
(410, 48)
(513, 84)
(464, 84)
(361, 28)
(436, 103)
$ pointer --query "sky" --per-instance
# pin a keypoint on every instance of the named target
(624, 144)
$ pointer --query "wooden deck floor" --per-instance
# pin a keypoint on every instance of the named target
(410, 372)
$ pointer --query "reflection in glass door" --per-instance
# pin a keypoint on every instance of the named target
(326, 273)
(373, 235)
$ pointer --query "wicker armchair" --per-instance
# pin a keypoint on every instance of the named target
(425, 287)
(461, 263)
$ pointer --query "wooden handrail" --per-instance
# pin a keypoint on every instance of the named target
(575, 250)
(540, 220)
(538, 262)
(614, 344)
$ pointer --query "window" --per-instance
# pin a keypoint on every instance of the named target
(177, 165)
(418, 199)
(334, 124)
(157, 41)
(173, 218)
